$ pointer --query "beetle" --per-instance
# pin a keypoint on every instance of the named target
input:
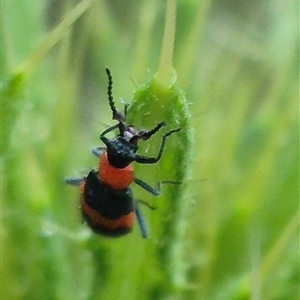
(107, 202)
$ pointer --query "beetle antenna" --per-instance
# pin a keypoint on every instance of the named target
(145, 135)
(116, 114)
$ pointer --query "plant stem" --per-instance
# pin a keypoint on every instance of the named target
(166, 75)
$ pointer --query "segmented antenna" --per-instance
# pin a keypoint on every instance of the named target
(109, 93)
(145, 135)
(116, 114)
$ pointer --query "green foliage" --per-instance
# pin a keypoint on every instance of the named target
(153, 102)
(229, 231)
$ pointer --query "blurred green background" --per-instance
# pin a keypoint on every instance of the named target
(237, 62)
